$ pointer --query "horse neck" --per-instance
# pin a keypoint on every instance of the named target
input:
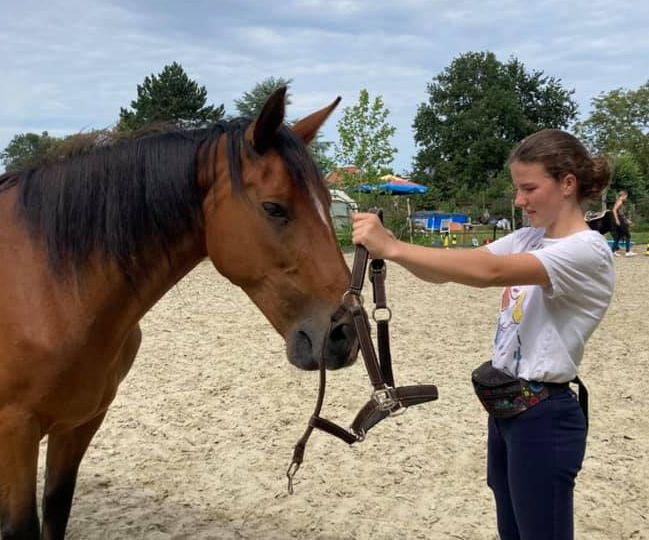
(109, 298)
(161, 272)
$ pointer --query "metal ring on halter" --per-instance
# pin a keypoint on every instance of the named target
(389, 317)
(360, 434)
(357, 296)
(398, 410)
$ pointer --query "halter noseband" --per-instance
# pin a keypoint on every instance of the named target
(386, 399)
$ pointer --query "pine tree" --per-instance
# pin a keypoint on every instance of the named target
(170, 97)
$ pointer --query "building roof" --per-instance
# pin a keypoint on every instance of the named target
(336, 178)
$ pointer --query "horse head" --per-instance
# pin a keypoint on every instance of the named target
(271, 233)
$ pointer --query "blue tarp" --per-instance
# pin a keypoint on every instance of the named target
(395, 186)
(432, 220)
(395, 189)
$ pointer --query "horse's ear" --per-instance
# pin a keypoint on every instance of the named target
(308, 127)
(269, 120)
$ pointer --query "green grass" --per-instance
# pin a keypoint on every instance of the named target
(465, 239)
(639, 237)
(458, 239)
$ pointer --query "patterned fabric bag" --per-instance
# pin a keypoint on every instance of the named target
(504, 396)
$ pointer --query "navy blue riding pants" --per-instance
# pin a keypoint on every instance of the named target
(533, 460)
(621, 232)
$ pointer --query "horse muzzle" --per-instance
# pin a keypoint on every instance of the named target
(336, 345)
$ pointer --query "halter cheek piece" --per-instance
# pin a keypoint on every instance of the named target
(386, 399)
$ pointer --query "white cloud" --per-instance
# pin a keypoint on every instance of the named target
(65, 68)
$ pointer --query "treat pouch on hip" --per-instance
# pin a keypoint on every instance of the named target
(500, 394)
(504, 396)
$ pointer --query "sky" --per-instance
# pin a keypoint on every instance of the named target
(67, 67)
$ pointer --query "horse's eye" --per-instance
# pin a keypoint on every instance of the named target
(275, 210)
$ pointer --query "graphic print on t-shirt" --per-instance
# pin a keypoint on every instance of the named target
(512, 313)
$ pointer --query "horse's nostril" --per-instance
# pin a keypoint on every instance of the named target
(340, 347)
(342, 332)
(337, 334)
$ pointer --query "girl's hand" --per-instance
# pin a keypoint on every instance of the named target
(368, 231)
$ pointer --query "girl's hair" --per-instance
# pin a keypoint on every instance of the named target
(560, 154)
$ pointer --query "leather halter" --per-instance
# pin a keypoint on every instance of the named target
(386, 399)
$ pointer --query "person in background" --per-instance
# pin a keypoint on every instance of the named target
(559, 278)
(622, 224)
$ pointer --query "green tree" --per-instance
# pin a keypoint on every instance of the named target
(477, 109)
(169, 97)
(251, 103)
(320, 151)
(619, 123)
(27, 148)
(628, 176)
(365, 134)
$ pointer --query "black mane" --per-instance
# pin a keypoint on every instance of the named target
(120, 199)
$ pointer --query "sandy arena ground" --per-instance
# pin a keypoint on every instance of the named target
(198, 440)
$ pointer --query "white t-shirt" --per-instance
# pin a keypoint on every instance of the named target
(542, 331)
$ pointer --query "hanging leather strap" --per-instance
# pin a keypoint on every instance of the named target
(378, 271)
(583, 396)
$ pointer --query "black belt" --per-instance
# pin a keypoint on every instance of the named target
(557, 388)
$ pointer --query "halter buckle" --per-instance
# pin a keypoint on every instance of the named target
(386, 400)
(376, 271)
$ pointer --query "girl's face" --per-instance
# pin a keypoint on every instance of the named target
(540, 195)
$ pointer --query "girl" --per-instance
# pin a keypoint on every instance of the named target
(558, 277)
(621, 231)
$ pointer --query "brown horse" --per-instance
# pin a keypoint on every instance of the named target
(89, 244)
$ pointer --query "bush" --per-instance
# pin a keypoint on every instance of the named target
(344, 235)
(640, 215)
